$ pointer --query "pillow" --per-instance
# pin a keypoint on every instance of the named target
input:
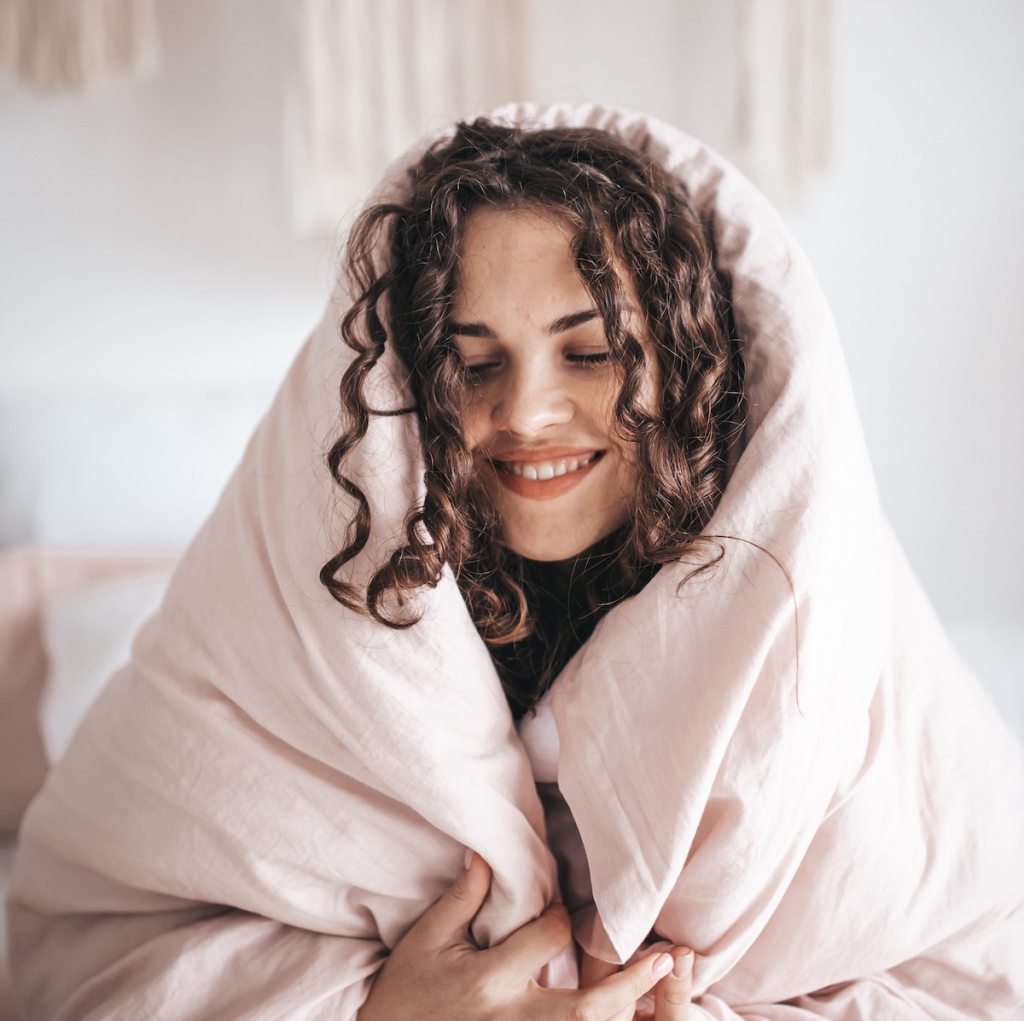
(87, 638)
(31, 580)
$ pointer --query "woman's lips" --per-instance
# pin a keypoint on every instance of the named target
(545, 489)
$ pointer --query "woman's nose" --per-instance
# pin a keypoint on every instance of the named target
(531, 402)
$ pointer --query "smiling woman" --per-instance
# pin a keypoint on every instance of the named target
(577, 376)
(616, 611)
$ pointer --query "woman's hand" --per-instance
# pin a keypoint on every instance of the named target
(436, 971)
(671, 994)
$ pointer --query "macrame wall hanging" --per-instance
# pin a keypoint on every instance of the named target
(370, 76)
(71, 45)
(784, 101)
(374, 75)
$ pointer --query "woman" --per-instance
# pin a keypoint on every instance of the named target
(747, 732)
(551, 503)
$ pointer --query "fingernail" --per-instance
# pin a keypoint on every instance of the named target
(467, 859)
(683, 968)
(662, 965)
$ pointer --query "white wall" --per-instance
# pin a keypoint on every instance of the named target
(145, 246)
(144, 227)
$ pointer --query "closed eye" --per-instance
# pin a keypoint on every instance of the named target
(479, 370)
(590, 359)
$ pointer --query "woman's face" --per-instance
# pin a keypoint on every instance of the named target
(542, 388)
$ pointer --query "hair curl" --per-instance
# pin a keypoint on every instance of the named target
(621, 207)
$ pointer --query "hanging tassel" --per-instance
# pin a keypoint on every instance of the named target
(371, 74)
(71, 45)
(784, 111)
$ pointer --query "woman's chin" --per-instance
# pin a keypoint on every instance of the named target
(544, 554)
(553, 550)
(530, 548)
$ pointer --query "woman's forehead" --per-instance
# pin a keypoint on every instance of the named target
(513, 254)
(524, 248)
(516, 226)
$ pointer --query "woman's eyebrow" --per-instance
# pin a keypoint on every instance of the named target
(575, 319)
(560, 325)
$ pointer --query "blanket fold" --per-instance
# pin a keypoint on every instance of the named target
(781, 763)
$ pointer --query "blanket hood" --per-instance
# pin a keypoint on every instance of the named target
(792, 624)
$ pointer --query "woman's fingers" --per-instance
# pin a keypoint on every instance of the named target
(524, 952)
(592, 971)
(673, 993)
(607, 991)
(447, 920)
(620, 991)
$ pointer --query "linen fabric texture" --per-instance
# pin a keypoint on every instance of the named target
(789, 771)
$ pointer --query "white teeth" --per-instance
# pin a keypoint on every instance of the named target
(543, 470)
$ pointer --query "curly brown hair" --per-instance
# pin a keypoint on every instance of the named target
(621, 208)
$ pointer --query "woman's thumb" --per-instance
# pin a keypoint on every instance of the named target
(447, 919)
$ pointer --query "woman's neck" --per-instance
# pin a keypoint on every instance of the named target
(566, 600)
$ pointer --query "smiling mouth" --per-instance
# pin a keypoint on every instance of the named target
(546, 480)
(542, 471)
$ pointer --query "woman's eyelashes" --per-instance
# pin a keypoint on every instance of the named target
(481, 370)
(475, 373)
(591, 358)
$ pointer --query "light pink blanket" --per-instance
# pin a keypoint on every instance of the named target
(804, 784)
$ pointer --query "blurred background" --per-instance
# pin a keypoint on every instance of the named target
(175, 176)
